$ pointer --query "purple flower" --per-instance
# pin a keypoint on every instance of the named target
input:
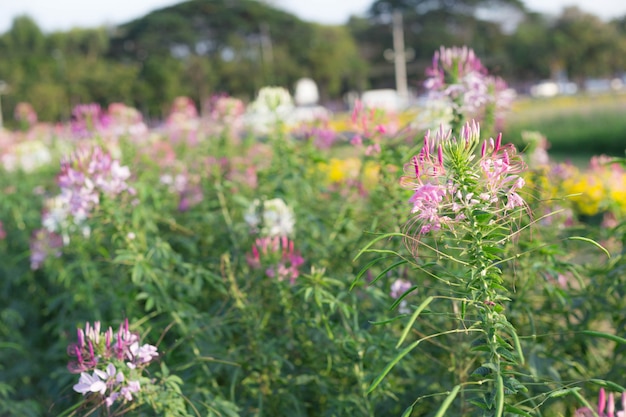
(87, 174)
(87, 119)
(99, 353)
(399, 287)
(143, 354)
(44, 243)
(458, 74)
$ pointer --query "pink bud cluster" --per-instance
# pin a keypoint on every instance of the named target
(278, 256)
(115, 360)
(444, 189)
(501, 166)
(606, 407)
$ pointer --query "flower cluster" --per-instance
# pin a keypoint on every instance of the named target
(458, 76)
(272, 106)
(277, 256)
(606, 407)
(87, 119)
(25, 114)
(110, 364)
(126, 120)
(270, 218)
(182, 122)
(186, 186)
(272, 100)
(350, 174)
(369, 125)
(273, 251)
(87, 174)
(26, 155)
(84, 177)
(449, 183)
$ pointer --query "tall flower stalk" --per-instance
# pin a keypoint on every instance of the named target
(466, 190)
(465, 208)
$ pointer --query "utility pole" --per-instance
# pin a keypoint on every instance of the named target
(399, 55)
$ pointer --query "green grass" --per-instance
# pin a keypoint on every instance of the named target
(577, 125)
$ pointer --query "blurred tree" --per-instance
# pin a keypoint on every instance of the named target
(585, 46)
(238, 46)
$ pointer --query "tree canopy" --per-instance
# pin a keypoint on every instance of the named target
(201, 47)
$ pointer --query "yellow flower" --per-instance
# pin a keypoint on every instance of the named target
(587, 193)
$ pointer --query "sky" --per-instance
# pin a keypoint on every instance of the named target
(53, 15)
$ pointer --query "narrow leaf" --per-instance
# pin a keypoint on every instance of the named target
(409, 325)
(593, 242)
(407, 412)
(391, 364)
(364, 270)
(605, 336)
(446, 403)
(499, 396)
(369, 245)
(389, 268)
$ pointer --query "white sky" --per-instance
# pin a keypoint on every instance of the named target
(53, 15)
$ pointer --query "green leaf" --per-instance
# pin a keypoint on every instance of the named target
(389, 268)
(379, 238)
(605, 336)
(409, 325)
(593, 242)
(407, 412)
(608, 384)
(481, 371)
(517, 411)
(446, 403)
(364, 270)
(391, 364)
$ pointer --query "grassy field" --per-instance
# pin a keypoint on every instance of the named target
(576, 126)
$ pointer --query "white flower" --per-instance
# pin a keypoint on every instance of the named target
(90, 383)
(272, 218)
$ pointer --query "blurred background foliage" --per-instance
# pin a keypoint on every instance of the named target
(200, 47)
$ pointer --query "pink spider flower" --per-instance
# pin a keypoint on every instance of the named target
(278, 256)
(449, 182)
